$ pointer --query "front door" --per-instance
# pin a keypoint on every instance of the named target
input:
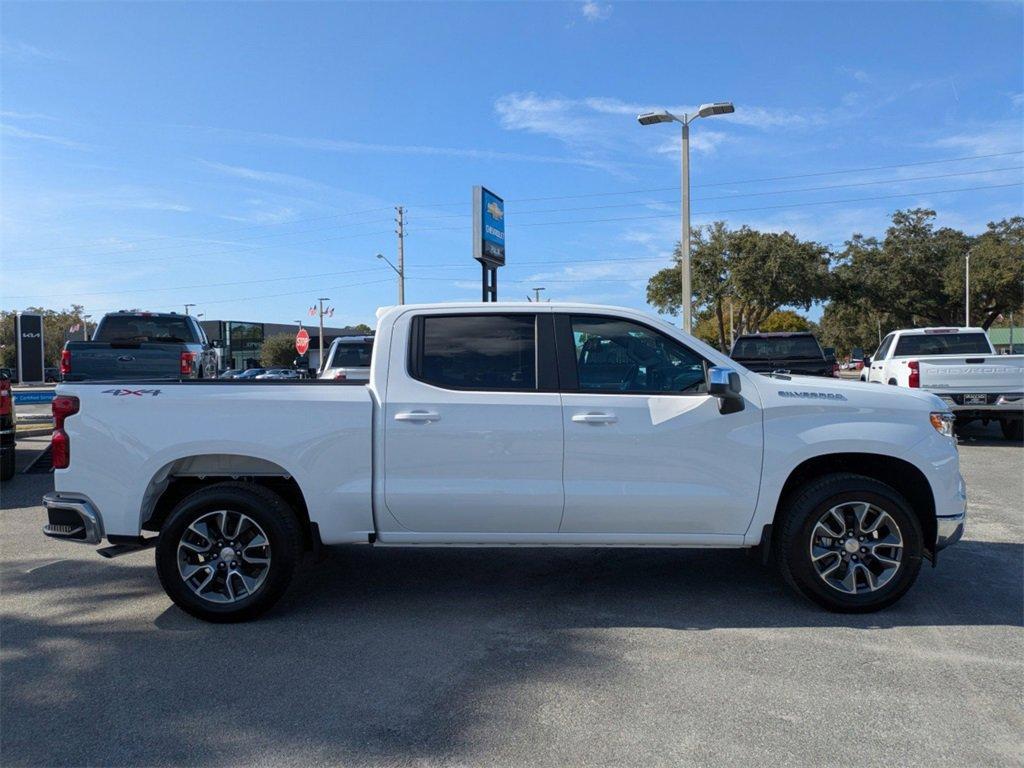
(473, 435)
(646, 449)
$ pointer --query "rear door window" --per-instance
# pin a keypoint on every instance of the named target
(477, 352)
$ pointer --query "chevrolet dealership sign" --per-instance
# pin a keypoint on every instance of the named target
(488, 227)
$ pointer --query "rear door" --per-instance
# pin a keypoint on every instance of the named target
(646, 449)
(473, 424)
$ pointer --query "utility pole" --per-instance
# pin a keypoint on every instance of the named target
(732, 325)
(879, 321)
(187, 306)
(400, 221)
(536, 294)
(320, 339)
(85, 327)
(967, 291)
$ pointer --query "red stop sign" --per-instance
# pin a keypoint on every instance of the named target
(302, 341)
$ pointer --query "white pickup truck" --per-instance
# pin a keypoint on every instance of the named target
(510, 425)
(960, 366)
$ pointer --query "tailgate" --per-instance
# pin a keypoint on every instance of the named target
(960, 373)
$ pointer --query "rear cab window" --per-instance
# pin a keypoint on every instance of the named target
(143, 328)
(770, 348)
(351, 355)
(926, 344)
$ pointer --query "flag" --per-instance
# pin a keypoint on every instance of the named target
(75, 328)
(312, 311)
(330, 311)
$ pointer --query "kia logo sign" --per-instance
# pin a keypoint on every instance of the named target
(28, 335)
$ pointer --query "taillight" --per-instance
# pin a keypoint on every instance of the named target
(835, 370)
(5, 398)
(65, 362)
(187, 361)
(340, 377)
(63, 406)
(915, 374)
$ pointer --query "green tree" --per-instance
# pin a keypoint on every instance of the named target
(785, 320)
(747, 273)
(278, 351)
(363, 328)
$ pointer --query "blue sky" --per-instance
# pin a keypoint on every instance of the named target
(246, 158)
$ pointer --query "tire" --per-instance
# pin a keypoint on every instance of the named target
(1013, 429)
(875, 584)
(240, 586)
(7, 465)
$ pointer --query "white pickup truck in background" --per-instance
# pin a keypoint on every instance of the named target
(960, 366)
(510, 425)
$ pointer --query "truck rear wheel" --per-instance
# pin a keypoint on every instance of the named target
(228, 552)
(7, 465)
(849, 543)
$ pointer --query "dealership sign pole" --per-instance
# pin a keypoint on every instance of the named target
(488, 238)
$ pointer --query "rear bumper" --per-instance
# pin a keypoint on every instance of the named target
(72, 519)
(995, 407)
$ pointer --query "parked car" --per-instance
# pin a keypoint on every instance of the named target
(960, 366)
(250, 373)
(857, 358)
(128, 346)
(512, 425)
(349, 359)
(8, 424)
(279, 374)
(785, 352)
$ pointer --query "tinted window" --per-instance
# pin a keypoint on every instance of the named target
(757, 348)
(351, 355)
(615, 355)
(137, 328)
(883, 349)
(943, 344)
(479, 352)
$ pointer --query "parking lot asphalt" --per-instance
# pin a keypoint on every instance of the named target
(528, 657)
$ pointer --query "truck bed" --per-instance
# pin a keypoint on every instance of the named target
(319, 433)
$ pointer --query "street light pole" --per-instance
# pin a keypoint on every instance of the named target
(684, 223)
(320, 339)
(967, 291)
(399, 270)
(651, 118)
(187, 306)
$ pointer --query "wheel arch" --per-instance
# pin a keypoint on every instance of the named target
(185, 475)
(901, 475)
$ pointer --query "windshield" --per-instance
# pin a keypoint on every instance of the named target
(351, 355)
(774, 348)
(922, 345)
(139, 328)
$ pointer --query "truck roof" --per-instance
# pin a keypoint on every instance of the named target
(938, 329)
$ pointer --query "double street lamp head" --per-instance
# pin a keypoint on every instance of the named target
(704, 110)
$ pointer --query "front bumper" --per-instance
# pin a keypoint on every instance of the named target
(72, 519)
(950, 528)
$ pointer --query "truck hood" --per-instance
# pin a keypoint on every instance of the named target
(812, 388)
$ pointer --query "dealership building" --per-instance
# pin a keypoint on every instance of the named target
(239, 341)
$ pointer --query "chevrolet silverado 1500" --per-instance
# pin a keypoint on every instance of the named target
(510, 425)
(961, 367)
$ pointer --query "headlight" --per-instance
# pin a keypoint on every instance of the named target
(943, 422)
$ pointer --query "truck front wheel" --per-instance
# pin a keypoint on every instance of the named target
(1013, 429)
(849, 543)
(228, 552)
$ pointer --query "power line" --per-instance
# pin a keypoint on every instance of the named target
(740, 181)
(738, 210)
(206, 233)
(743, 194)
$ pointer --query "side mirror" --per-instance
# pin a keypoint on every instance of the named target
(724, 383)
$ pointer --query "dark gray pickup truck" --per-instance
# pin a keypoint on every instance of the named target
(141, 345)
(796, 352)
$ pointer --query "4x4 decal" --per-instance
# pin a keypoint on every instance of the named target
(135, 392)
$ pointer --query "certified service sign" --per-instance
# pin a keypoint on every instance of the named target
(488, 227)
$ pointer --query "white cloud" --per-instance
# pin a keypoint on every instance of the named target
(20, 133)
(21, 51)
(595, 11)
(251, 174)
(988, 139)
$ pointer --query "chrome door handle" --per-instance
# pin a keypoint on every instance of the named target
(421, 416)
(594, 418)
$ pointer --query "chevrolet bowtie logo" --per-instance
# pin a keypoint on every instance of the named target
(495, 210)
